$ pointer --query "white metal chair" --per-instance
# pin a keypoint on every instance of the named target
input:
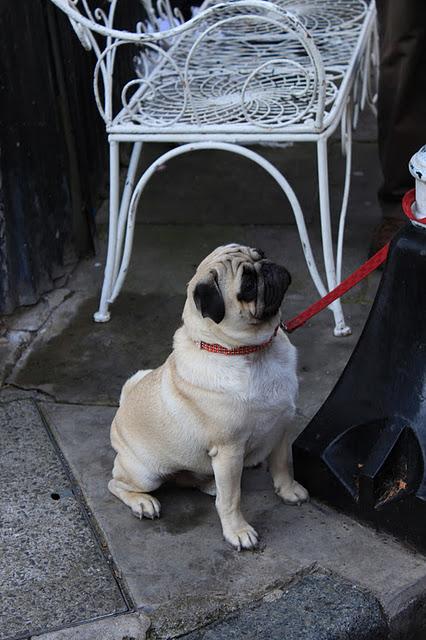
(240, 72)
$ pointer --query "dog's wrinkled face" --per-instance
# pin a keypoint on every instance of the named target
(238, 285)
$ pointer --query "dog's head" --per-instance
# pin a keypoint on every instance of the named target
(238, 289)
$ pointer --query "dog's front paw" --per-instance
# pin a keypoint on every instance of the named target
(145, 506)
(243, 537)
(292, 493)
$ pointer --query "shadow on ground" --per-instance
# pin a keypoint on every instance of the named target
(89, 363)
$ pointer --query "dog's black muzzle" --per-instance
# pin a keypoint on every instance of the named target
(276, 280)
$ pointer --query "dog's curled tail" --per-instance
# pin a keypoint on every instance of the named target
(132, 382)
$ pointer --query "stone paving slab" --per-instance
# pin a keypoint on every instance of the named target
(180, 571)
(53, 573)
(132, 626)
(316, 607)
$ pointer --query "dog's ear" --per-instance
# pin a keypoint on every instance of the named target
(208, 298)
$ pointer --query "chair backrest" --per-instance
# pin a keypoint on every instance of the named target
(196, 71)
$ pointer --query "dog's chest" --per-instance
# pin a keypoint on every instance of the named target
(269, 400)
(272, 381)
(261, 386)
(248, 398)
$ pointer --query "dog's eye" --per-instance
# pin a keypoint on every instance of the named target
(248, 290)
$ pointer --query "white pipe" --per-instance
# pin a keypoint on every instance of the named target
(341, 328)
(417, 167)
(347, 140)
(103, 315)
(124, 207)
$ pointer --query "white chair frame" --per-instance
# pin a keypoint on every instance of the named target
(284, 77)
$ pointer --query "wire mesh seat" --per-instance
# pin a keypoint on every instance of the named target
(239, 72)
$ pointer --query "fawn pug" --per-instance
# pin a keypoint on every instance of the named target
(222, 399)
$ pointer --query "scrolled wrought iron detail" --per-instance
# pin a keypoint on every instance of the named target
(253, 64)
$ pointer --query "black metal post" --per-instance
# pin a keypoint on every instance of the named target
(365, 449)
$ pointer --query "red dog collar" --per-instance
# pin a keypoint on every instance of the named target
(237, 351)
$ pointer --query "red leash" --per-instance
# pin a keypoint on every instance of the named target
(362, 272)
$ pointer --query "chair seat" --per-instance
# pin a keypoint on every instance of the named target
(246, 76)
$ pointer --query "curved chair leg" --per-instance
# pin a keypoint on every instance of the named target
(248, 153)
(124, 205)
(347, 152)
(340, 329)
(103, 315)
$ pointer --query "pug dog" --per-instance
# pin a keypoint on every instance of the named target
(221, 400)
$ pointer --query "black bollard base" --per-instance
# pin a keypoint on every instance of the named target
(364, 451)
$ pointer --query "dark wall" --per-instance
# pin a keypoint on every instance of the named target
(52, 150)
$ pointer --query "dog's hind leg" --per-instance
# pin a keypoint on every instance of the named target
(204, 483)
(135, 495)
(208, 486)
(285, 485)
